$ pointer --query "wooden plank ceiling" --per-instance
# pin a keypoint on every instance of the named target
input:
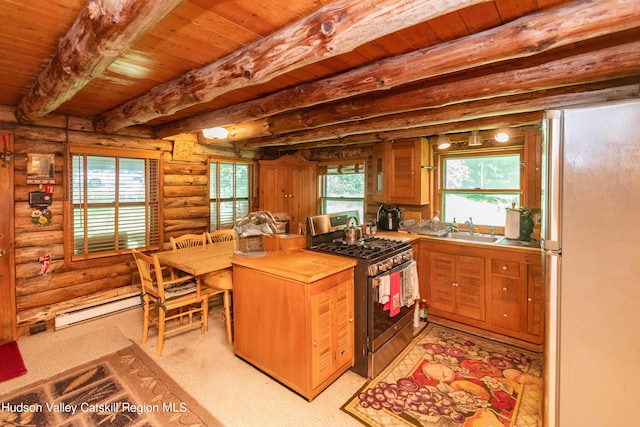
(309, 73)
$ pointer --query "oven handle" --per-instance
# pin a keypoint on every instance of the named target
(375, 281)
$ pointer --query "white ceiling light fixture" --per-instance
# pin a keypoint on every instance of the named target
(501, 135)
(475, 139)
(215, 133)
(443, 142)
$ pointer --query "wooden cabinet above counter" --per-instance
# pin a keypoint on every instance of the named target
(398, 173)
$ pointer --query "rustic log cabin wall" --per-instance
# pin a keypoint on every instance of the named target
(65, 285)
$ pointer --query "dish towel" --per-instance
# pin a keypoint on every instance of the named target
(410, 284)
(394, 293)
(383, 290)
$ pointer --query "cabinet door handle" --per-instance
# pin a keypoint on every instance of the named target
(505, 289)
(529, 299)
(505, 315)
(315, 343)
(504, 267)
(351, 320)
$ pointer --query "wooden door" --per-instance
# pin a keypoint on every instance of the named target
(322, 354)
(7, 279)
(442, 281)
(470, 286)
(402, 176)
(535, 300)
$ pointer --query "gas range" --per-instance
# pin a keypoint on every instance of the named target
(368, 248)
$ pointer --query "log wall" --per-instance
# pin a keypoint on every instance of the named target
(67, 285)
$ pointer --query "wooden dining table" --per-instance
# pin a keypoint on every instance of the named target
(199, 260)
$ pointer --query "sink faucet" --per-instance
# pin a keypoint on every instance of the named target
(470, 225)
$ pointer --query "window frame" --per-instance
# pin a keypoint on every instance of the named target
(251, 198)
(323, 198)
(122, 153)
(495, 152)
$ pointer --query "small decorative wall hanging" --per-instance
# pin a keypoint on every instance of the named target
(45, 262)
(182, 150)
(40, 168)
(41, 217)
(6, 155)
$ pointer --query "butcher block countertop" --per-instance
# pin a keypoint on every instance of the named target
(298, 264)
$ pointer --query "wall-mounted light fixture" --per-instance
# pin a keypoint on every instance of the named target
(502, 135)
(443, 142)
(217, 132)
(475, 139)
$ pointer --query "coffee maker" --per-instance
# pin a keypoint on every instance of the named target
(389, 217)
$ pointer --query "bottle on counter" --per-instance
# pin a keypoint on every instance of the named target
(454, 226)
(436, 216)
(424, 310)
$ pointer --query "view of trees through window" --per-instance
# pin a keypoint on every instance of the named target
(343, 192)
(480, 187)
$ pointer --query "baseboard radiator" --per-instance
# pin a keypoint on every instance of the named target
(93, 311)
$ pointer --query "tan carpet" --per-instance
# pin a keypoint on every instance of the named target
(449, 378)
(204, 365)
(124, 389)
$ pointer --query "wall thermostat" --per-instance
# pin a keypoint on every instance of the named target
(40, 198)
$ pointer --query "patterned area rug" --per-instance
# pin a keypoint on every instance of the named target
(124, 389)
(450, 378)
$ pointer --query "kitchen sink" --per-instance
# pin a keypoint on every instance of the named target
(474, 237)
(512, 242)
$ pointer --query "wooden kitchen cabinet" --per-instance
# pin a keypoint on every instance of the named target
(456, 284)
(289, 184)
(500, 291)
(331, 331)
(299, 333)
(508, 289)
(407, 182)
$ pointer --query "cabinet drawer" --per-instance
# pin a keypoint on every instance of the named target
(505, 268)
(506, 288)
(506, 315)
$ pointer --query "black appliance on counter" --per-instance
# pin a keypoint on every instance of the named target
(378, 337)
(389, 217)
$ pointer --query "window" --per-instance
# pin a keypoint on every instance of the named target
(231, 192)
(480, 186)
(342, 187)
(114, 201)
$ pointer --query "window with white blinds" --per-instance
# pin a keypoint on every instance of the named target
(342, 186)
(114, 201)
(231, 192)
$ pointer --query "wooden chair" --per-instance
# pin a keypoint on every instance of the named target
(222, 236)
(166, 302)
(188, 241)
(222, 281)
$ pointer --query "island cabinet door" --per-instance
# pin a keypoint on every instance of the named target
(332, 332)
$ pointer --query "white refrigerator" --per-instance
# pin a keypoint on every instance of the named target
(591, 247)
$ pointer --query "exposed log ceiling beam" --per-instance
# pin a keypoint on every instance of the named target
(607, 63)
(101, 33)
(335, 29)
(457, 117)
(521, 38)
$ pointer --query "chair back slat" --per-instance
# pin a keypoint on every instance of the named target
(188, 241)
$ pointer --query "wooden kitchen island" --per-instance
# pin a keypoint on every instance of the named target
(293, 316)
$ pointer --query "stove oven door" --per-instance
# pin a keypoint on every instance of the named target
(389, 335)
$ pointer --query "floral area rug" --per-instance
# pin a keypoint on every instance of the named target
(450, 378)
(124, 389)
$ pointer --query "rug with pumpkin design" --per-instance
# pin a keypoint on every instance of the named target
(450, 378)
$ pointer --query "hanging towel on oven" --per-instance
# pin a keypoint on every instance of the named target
(395, 293)
(383, 289)
(410, 285)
